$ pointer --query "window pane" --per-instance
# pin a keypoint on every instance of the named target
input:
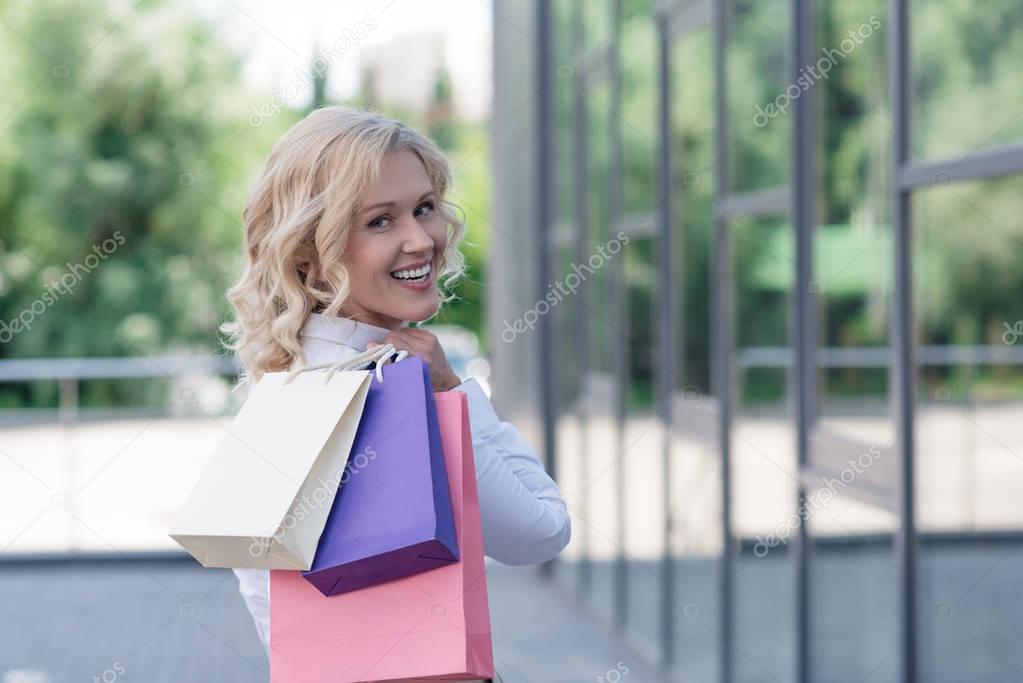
(602, 337)
(638, 47)
(695, 457)
(596, 23)
(600, 501)
(643, 454)
(601, 498)
(966, 60)
(641, 287)
(571, 463)
(763, 451)
(692, 160)
(564, 90)
(968, 244)
(851, 508)
(759, 109)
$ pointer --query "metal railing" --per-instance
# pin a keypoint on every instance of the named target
(69, 372)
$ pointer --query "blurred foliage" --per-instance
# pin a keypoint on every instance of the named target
(113, 150)
(135, 154)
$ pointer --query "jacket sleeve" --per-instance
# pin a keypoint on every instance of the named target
(524, 519)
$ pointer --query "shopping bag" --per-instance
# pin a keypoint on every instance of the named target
(264, 497)
(392, 513)
(430, 625)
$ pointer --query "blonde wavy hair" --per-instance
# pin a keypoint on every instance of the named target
(297, 221)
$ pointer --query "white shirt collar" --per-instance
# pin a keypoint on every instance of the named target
(344, 331)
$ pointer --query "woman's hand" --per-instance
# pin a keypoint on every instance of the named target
(424, 344)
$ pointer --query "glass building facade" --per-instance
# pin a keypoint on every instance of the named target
(757, 291)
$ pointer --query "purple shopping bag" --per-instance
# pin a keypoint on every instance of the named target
(392, 516)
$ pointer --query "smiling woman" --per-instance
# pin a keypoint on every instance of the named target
(348, 236)
(349, 203)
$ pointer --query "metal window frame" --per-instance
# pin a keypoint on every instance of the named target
(722, 305)
(766, 202)
(909, 175)
(672, 22)
(901, 337)
(666, 328)
(983, 164)
(581, 164)
(545, 117)
(620, 352)
(804, 327)
(589, 70)
(673, 18)
(795, 199)
(640, 226)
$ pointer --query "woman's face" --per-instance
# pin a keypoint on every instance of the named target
(395, 247)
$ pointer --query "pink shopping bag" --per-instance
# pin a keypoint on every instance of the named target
(433, 625)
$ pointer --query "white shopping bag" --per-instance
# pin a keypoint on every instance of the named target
(263, 500)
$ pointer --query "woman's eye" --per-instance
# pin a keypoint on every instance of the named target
(383, 221)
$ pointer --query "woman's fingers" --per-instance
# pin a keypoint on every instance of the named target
(425, 345)
(404, 339)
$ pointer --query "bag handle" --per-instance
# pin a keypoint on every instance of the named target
(381, 355)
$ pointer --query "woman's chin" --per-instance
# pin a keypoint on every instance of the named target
(419, 311)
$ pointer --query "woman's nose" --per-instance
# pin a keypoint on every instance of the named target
(416, 237)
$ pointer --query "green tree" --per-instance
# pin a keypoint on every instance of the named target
(116, 140)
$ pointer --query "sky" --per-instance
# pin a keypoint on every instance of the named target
(279, 38)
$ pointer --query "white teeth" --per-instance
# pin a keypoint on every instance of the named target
(414, 274)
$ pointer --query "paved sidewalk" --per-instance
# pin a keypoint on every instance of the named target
(162, 621)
